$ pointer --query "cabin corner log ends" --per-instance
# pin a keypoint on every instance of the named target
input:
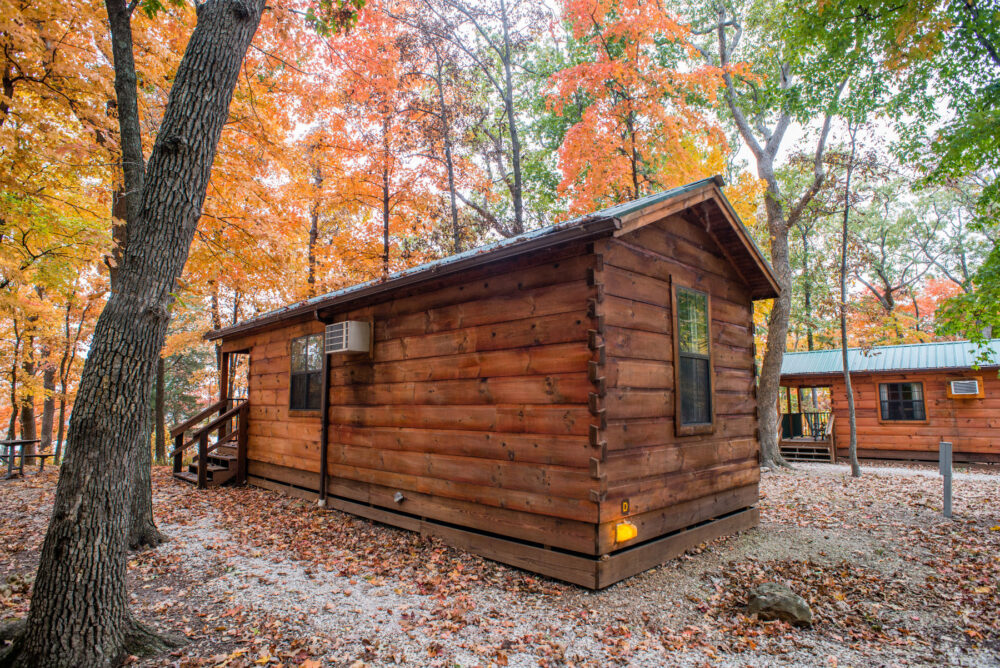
(523, 402)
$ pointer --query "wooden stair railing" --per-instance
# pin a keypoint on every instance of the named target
(207, 471)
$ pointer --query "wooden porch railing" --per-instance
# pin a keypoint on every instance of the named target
(222, 424)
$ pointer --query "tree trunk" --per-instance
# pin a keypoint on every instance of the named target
(49, 403)
(79, 612)
(12, 425)
(142, 530)
(385, 198)
(851, 415)
(515, 141)
(807, 291)
(160, 417)
(317, 183)
(777, 334)
(61, 430)
(456, 232)
(28, 431)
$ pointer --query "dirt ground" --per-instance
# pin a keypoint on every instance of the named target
(250, 577)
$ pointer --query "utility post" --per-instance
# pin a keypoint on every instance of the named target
(944, 464)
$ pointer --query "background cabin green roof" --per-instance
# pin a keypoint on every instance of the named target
(909, 357)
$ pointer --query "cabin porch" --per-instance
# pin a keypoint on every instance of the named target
(807, 424)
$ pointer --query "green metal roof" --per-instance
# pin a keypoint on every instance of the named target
(909, 357)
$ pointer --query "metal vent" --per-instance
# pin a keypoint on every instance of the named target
(965, 387)
(350, 336)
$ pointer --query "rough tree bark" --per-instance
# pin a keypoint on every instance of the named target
(142, 531)
(79, 612)
(160, 412)
(127, 200)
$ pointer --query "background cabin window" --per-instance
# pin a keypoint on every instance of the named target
(307, 370)
(902, 401)
(693, 350)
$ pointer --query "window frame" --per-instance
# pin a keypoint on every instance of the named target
(694, 428)
(292, 408)
(923, 402)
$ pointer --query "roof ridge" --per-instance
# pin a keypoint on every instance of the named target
(891, 345)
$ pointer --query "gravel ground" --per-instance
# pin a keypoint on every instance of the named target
(625, 624)
(867, 554)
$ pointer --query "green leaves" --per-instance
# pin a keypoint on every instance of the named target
(330, 17)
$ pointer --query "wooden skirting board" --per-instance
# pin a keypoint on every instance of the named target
(584, 570)
(922, 455)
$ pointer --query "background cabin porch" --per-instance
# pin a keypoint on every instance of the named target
(807, 423)
(908, 398)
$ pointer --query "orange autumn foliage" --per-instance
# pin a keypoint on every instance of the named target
(639, 131)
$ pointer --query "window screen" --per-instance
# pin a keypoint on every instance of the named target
(902, 401)
(693, 348)
(307, 373)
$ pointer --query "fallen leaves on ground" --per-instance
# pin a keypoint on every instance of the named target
(253, 578)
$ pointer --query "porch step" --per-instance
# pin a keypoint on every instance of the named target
(188, 476)
(220, 464)
(806, 452)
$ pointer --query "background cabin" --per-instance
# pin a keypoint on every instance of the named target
(908, 398)
(577, 401)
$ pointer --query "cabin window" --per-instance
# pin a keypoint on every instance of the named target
(307, 371)
(694, 363)
(902, 401)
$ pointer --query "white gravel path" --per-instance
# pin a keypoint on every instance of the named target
(380, 619)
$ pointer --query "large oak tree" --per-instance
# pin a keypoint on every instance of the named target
(79, 614)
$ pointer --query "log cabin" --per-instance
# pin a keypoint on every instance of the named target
(577, 401)
(908, 398)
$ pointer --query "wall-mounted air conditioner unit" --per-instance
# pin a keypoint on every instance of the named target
(350, 336)
(967, 387)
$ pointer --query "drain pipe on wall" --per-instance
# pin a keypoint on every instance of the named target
(324, 428)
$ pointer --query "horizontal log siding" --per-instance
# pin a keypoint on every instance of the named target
(670, 481)
(972, 425)
(474, 403)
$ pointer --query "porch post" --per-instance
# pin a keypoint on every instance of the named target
(224, 379)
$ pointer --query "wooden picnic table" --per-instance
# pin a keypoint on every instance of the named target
(12, 446)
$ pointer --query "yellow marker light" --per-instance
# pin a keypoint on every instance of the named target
(625, 531)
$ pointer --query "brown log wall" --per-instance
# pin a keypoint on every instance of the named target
(972, 425)
(529, 399)
(670, 481)
(474, 404)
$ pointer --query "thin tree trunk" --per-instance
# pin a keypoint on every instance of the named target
(49, 402)
(79, 612)
(12, 425)
(764, 150)
(853, 446)
(317, 182)
(65, 370)
(515, 141)
(456, 232)
(807, 291)
(28, 431)
(159, 416)
(142, 530)
(61, 430)
(385, 198)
